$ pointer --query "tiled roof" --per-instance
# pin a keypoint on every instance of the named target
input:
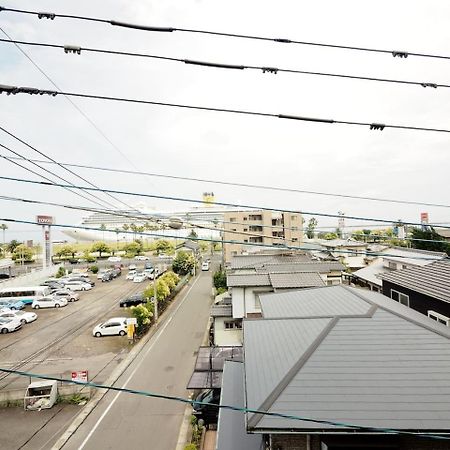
(253, 261)
(248, 279)
(311, 266)
(353, 356)
(432, 280)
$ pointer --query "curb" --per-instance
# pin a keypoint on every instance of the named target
(120, 369)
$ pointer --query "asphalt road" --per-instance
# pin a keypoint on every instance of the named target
(164, 366)
(56, 328)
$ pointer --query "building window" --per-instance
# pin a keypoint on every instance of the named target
(245, 240)
(233, 324)
(392, 265)
(232, 219)
(245, 218)
(404, 266)
(399, 297)
(255, 217)
(255, 228)
(293, 217)
(439, 317)
(294, 239)
(245, 229)
(256, 239)
(233, 229)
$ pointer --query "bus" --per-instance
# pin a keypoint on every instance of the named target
(24, 294)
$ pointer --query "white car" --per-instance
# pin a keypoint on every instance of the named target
(162, 255)
(113, 326)
(131, 275)
(141, 258)
(132, 267)
(139, 277)
(22, 316)
(49, 302)
(7, 325)
(149, 273)
(100, 273)
(114, 259)
(69, 295)
(77, 286)
(205, 266)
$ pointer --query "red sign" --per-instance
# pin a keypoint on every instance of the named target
(424, 217)
(81, 375)
(44, 220)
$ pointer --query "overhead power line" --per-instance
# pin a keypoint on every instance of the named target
(220, 240)
(14, 90)
(193, 402)
(91, 122)
(53, 161)
(248, 185)
(282, 40)
(75, 49)
(233, 205)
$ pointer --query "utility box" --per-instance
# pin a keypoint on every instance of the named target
(40, 395)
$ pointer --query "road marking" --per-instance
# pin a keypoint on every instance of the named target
(157, 336)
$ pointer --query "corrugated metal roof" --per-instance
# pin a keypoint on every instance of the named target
(231, 432)
(432, 280)
(248, 279)
(330, 302)
(388, 369)
(285, 280)
(247, 261)
(412, 256)
(311, 266)
(221, 311)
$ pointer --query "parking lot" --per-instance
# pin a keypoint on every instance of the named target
(60, 340)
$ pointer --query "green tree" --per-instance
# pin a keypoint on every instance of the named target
(162, 290)
(312, 224)
(133, 248)
(3, 227)
(66, 250)
(192, 234)
(143, 315)
(220, 279)
(164, 246)
(429, 235)
(22, 253)
(103, 228)
(60, 273)
(330, 236)
(183, 263)
(13, 245)
(171, 279)
(100, 247)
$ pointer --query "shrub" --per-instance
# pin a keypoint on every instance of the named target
(171, 279)
(93, 269)
(61, 272)
(190, 447)
(220, 279)
(183, 263)
(142, 314)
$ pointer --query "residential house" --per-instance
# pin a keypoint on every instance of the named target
(391, 259)
(423, 288)
(260, 227)
(339, 359)
(351, 252)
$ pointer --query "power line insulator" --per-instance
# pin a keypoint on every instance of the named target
(46, 15)
(377, 126)
(269, 70)
(399, 54)
(72, 49)
(432, 85)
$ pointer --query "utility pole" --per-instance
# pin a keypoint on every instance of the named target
(155, 297)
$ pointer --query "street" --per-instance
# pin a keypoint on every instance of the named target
(164, 366)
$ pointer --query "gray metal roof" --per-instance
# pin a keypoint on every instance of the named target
(221, 311)
(248, 279)
(231, 432)
(253, 261)
(343, 243)
(432, 280)
(292, 280)
(332, 301)
(308, 266)
(388, 368)
(412, 256)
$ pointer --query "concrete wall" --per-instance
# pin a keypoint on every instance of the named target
(244, 300)
(31, 279)
(224, 337)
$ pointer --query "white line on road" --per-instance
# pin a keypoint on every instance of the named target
(157, 336)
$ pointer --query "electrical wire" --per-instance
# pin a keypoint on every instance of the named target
(53, 161)
(92, 123)
(48, 179)
(14, 90)
(248, 185)
(223, 241)
(232, 205)
(52, 16)
(228, 407)
(75, 49)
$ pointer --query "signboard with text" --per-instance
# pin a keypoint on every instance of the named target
(80, 375)
(44, 220)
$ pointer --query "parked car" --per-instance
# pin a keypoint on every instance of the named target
(132, 267)
(116, 272)
(77, 285)
(8, 325)
(162, 255)
(139, 277)
(53, 284)
(141, 258)
(80, 279)
(49, 302)
(208, 413)
(113, 326)
(100, 273)
(22, 316)
(107, 276)
(133, 300)
(205, 266)
(11, 304)
(131, 274)
(69, 295)
(114, 259)
(148, 265)
(149, 273)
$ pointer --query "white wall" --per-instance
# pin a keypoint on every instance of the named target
(32, 278)
(244, 300)
(225, 337)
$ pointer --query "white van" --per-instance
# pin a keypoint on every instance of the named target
(113, 326)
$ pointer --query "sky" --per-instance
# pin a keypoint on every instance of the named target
(393, 164)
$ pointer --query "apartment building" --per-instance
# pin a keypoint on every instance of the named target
(260, 228)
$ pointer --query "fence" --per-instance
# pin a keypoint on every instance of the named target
(37, 276)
